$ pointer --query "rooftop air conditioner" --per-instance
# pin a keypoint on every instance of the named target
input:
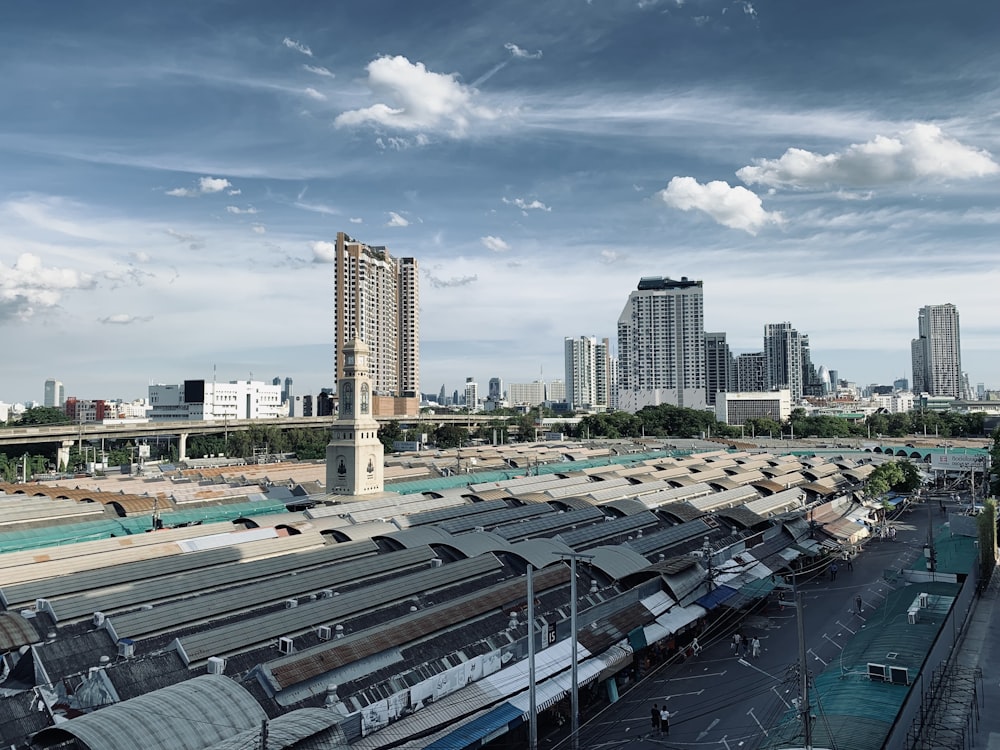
(437, 562)
(291, 603)
(126, 648)
(286, 645)
(324, 632)
(326, 594)
(98, 619)
(924, 598)
(216, 665)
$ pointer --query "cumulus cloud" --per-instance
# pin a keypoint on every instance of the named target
(733, 207)
(922, 152)
(121, 319)
(516, 51)
(395, 220)
(494, 244)
(609, 256)
(525, 206)
(323, 251)
(238, 210)
(297, 46)
(320, 71)
(28, 287)
(356, 220)
(314, 94)
(439, 283)
(417, 99)
(205, 185)
(259, 229)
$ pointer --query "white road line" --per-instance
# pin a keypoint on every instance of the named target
(710, 727)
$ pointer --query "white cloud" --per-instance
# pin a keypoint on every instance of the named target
(417, 100)
(395, 220)
(356, 220)
(122, 319)
(609, 256)
(516, 51)
(206, 185)
(525, 206)
(454, 281)
(317, 208)
(238, 210)
(323, 251)
(733, 207)
(320, 71)
(235, 191)
(28, 287)
(922, 152)
(314, 94)
(494, 244)
(140, 256)
(297, 46)
(259, 229)
(193, 241)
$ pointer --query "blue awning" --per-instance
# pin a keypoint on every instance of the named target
(716, 596)
(504, 717)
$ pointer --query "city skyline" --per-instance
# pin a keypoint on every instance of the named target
(175, 178)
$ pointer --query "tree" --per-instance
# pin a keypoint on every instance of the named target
(450, 436)
(389, 433)
(44, 415)
(995, 464)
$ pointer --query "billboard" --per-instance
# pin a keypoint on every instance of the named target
(959, 461)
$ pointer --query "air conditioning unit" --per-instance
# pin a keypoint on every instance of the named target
(436, 562)
(479, 528)
(41, 605)
(98, 619)
(126, 648)
(291, 603)
(286, 645)
(324, 632)
(216, 665)
(326, 594)
(913, 616)
(923, 600)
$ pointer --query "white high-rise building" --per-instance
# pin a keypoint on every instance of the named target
(55, 394)
(471, 395)
(937, 352)
(587, 372)
(526, 394)
(783, 357)
(661, 345)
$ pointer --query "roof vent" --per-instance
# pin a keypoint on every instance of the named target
(593, 586)
(480, 529)
(286, 645)
(42, 605)
(339, 630)
(513, 621)
(324, 632)
(291, 603)
(216, 665)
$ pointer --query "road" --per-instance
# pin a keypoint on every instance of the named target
(720, 699)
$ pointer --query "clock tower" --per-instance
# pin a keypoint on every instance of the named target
(354, 457)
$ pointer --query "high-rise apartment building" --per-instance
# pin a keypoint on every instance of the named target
(471, 395)
(661, 345)
(588, 380)
(720, 368)
(377, 300)
(751, 372)
(55, 394)
(785, 365)
(937, 352)
(495, 390)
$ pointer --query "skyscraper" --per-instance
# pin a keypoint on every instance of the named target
(783, 356)
(751, 372)
(661, 345)
(377, 300)
(720, 368)
(588, 380)
(55, 394)
(937, 352)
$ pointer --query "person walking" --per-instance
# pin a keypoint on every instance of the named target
(736, 643)
(695, 646)
(755, 647)
(833, 572)
(655, 716)
(850, 564)
(858, 604)
(664, 720)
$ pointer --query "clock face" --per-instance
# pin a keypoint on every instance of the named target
(349, 359)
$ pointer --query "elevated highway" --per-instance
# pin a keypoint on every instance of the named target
(64, 435)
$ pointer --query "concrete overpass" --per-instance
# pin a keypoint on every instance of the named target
(64, 435)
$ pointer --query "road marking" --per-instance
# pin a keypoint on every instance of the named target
(833, 642)
(711, 726)
(679, 695)
(723, 741)
(816, 657)
(852, 632)
(781, 697)
(698, 676)
(753, 716)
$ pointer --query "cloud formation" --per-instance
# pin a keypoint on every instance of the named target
(922, 152)
(206, 185)
(494, 244)
(395, 220)
(121, 319)
(320, 71)
(733, 207)
(525, 206)
(516, 51)
(238, 210)
(454, 281)
(28, 287)
(417, 100)
(323, 251)
(314, 94)
(297, 46)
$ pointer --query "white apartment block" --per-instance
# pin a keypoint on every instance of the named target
(587, 361)
(526, 394)
(661, 345)
(736, 408)
(937, 352)
(555, 392)
(205, 400)
(471, 395)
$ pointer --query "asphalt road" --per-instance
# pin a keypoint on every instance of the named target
(720, 699)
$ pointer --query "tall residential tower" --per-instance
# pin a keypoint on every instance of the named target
(937, 352)
(661, 345)
(377, 301)
(588, 376)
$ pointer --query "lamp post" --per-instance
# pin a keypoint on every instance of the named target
(575, 694)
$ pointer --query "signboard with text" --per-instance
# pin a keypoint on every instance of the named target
(959, 462)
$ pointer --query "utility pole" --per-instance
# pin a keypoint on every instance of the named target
(804, 709)
(575, 695)
(532, 706)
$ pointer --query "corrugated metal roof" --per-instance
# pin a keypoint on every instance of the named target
(15, 631)
(503, 716)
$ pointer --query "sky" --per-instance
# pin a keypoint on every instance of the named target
(170, 174)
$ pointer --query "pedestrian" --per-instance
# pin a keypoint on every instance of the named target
(850, 564)
(664, 720)
(695, 646)
(736, 643)
(892, 533)
(858, 604)
(655, 716)
(833, 572)
(755, 647)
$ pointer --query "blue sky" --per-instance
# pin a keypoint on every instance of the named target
(170, 172)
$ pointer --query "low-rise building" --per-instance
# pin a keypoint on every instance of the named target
(200, 399)
(736, 408)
